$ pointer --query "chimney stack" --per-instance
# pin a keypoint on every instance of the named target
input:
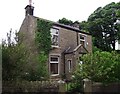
(29, 9)
(76, 24)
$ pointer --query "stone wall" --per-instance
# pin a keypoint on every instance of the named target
(33, 87)
(109, 88)
(95, 87)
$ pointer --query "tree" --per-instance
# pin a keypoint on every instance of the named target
(65, 21)
(102, 25)
(16, 60)
(100, 67)
(83, 26)
(13, 58)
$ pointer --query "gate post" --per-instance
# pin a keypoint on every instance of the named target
(61, 86)
(87, 86)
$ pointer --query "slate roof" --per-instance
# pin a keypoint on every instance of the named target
(64, 26)
(70, 50)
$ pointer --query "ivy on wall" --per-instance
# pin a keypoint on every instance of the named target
(43, 36)
(43, 42)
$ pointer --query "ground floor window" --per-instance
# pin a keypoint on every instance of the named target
(69, 65)
(54, 65)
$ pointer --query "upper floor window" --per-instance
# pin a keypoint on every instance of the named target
(54, 38)
(82, 39)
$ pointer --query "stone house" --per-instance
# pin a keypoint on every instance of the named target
(68, 44)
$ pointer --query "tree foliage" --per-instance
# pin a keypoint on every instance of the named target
(13, 58)
(83, 26)
(43, 36)
(65, 21)
(103, 27)
(100, 67)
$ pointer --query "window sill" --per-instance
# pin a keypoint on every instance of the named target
(55, 46)
(54, 74)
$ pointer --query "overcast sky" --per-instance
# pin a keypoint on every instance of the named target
(12, 12)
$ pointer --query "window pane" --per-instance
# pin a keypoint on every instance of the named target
(54, 68)
(82, 37)
(54, 59)
(69, 65)
(82, 42)
(54, 31)
(55, 40)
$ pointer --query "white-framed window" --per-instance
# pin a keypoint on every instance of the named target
(69, 65)
(54, 36)
(82, 39)
(54, 65)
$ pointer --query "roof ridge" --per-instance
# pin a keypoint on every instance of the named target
(63, 25)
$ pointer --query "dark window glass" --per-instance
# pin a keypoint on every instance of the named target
(82, 42)
(54, 68)
(54, 59)
(82, 37)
